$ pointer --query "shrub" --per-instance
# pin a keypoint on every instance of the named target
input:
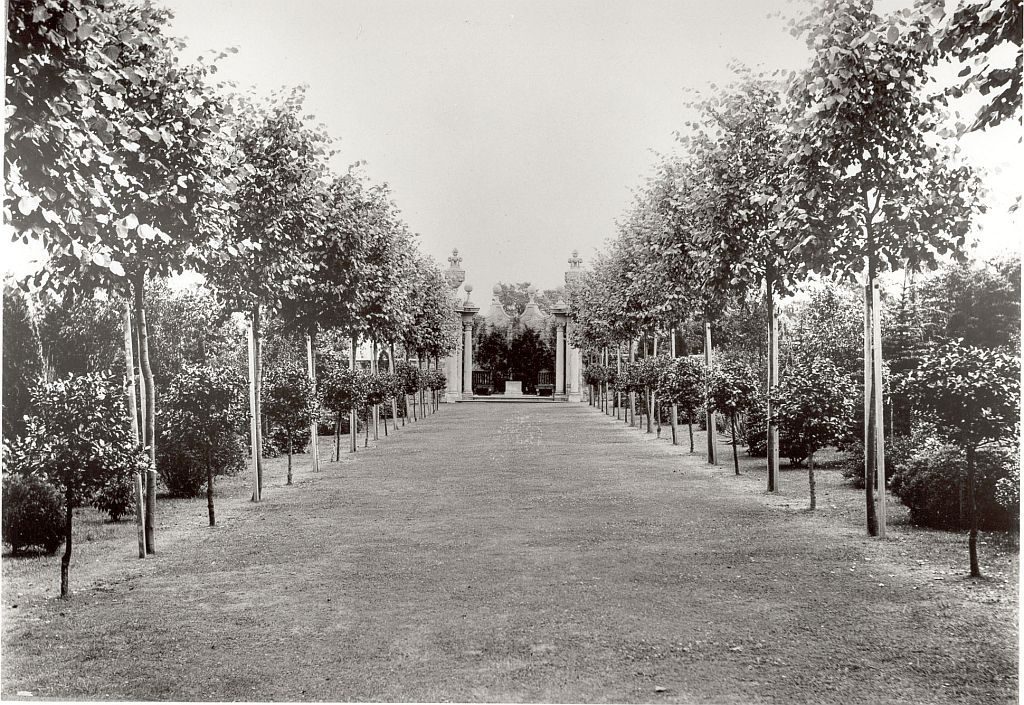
(1008, 491)
(933, 484)
(33, 512)
(117, 497)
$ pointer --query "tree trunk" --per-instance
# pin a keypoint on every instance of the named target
(131, 386)
(735, 453)
(972, 512)
(649, 400)
(337, 436)
(366, 411)
(257, 373)
(773, 380)
(209, 483)
(674, 420)
(65, 560)
(353, 419)
(376, 407)
(394, 399)
(289, 458)
(810, 480)
(689, 423)
(314, 430)
(712, 431)
(870, 422)
(149, 433)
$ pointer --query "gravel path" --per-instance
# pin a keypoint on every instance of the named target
(533, 552)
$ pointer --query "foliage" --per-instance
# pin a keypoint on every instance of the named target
(1007, 491)
(815, 404)
(515, 297)
(868, 183)
(932, 484)
(731, 387)
(22, 363)
(975, 32)
(203, 412)
(829, 325)
(33, 511)
(682, 382)
(289, 402)
(978, 302)
(80, 334)
(972, 394)
(436, 380)
(434, 327)
(79, 436)
(115, 147)
(116, 498)
(410, 376)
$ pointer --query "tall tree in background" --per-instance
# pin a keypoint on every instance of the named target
(868, 189)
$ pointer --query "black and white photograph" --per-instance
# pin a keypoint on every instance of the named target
(512, 351)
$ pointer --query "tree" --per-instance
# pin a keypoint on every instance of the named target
(683, 384)
(116, 158)
(868, 189)
(731, 389)
(289, 400)
(203, 412)
(815, 403)
(973, 396)
(278, 218)
(79, 438)
(971, 36)
(22, 360)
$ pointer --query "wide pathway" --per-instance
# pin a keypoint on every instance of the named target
(528, 552)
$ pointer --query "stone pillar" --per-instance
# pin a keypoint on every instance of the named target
(455, 275)
(574, 364)
(469, 310)
(561, 313)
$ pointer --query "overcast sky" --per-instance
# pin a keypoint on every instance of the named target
(514, 131)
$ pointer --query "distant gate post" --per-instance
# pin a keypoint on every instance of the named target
(468, 311)
(455, 275)
(561, 313)
(574, 361)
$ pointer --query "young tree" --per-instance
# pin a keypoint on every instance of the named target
(289, 401)
(973, 396)
(683, 384)
(870, 187)
(79, 439)
(278, 217)
(203, 412)
(116, 158)
(814, 407)
(731, 389)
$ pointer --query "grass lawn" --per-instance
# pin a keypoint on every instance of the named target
(518, 553)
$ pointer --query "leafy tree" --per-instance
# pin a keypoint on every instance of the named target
(340, 391)
(289, 399)
(203, 412)
(815, 403)
(976, 302)
(731, 390)
(22, 361)
(682, 383)
(867, 188)
(79, 438)
(975, 32)
(279, 216)
(116, 158)
(973, 396)
(514, 297)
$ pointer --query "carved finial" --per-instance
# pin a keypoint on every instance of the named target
(455, 260)
(575, 262)
(532, 291)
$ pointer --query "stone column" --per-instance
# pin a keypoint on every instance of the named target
(455, 275)
(561, 313)
(469, 310)
(574, 383)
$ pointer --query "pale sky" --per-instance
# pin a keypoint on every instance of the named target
(515, 131)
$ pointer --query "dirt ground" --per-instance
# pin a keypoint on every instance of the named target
(508, 553)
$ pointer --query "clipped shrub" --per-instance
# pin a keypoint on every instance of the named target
(932, 483)
(33, 513)
(117, 497)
